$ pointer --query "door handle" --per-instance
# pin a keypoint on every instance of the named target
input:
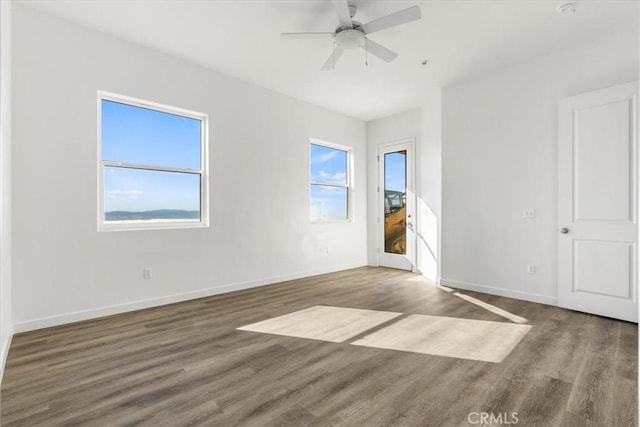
(564, 230)
(410, 225)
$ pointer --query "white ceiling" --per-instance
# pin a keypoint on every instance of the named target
(241, 38)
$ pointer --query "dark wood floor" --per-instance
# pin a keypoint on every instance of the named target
(185, 364)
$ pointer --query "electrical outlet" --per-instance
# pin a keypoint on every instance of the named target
(531, 269)
(528, 213)
(147, 273)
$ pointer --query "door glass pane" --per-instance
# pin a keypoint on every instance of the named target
(148, 195)
(395, 214)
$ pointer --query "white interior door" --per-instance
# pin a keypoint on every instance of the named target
(598, 204)
(396, 206)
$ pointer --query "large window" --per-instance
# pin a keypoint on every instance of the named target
(153, 165)
(330, 182)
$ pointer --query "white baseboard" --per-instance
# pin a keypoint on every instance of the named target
(62, 319)
(5, 352)
(509, 293)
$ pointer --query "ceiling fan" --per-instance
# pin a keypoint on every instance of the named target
(352, 34)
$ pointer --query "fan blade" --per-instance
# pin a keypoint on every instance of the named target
(379, 51)
(305, 35)
(401, 17)
(342, 10)
(333, 58)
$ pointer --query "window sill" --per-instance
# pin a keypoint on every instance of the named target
(331, 221)
(150, 225)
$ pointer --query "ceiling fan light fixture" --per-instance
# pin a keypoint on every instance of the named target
(350, 39)
(350, 34)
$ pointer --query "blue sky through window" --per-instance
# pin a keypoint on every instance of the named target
(328, 203)
(138, 190)
(328, 166)
(140, 135)
(395, 171)
(137, 135)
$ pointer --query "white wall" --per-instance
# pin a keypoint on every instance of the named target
(6, 324)
(499, 155)
(429, 190)
(424, 126)
(260, 231)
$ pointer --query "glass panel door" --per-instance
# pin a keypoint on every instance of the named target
(395, 202)
(396, 246)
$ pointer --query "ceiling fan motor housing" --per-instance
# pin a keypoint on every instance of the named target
(350, 38)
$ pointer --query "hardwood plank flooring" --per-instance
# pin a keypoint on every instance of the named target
(186, 364)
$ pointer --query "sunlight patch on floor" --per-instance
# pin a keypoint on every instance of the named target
(325, 323)
(471, 339)
(472, 300)
(492, 308)
(480, 340)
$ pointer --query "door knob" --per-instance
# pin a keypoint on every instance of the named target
(564, 230)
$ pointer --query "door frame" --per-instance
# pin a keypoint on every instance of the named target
(410, 197)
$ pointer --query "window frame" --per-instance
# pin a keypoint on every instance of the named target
(349, 184)
(203, 171)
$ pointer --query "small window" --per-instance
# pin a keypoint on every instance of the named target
(330, 182)
(153, 165)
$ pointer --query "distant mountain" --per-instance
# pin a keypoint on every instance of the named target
(147, 215)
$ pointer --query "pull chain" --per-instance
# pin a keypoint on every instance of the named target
(366, 52)
(333, 55)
